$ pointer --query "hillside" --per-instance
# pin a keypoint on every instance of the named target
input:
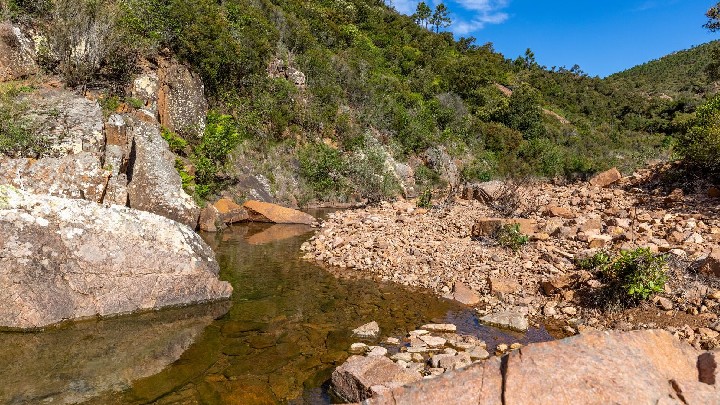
(346, 100)
(683, 73)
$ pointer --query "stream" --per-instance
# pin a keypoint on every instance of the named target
(286, 328)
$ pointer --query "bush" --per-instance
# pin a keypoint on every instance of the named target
(701, 145)
(631, 276)
(509, 236)
(321, 167)
(18, 138)
(211, 154)
(425, 199)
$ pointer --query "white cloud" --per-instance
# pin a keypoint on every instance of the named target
(405, 6)
(467, 16)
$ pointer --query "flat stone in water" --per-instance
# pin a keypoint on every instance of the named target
(369, 330)
(440, 327)
(507, 319)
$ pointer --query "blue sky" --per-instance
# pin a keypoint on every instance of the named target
(603, 37)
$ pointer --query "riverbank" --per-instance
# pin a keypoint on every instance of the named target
(436, 249)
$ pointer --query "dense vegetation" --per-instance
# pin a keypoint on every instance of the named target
(379, 85)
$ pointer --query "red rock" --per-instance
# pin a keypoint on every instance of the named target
(503, 285)
(480, 383)
(464, 294)
(229, 212)
(357, 378)
(562, 212)
(638, 367)
(606, 178)
(555, 285)
(208, 219)
(600, 367)
(266, 212)
(713, 192)
(711, 265)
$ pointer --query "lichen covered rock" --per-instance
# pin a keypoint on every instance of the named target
(64, 259)
(154, 184)
(17, 54)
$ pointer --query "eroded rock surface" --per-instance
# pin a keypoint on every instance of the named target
(78, 176)
(64, 259)
(70, 123)
(154, 184)
(17, 54)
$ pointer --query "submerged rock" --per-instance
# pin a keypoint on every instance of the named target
(65, 259)
(87, 360)
(369, 330)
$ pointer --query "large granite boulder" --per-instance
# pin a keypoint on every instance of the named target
(154, 183)
(181, 99)
(78, 176)
(17, 54)
(173, 95)
(65, 259)
(638, 367)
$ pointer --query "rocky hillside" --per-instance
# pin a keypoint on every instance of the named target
(336, 101)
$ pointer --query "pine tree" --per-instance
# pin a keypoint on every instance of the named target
(440, 18)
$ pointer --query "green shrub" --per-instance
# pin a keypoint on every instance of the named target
(509, 236)
(701, 145)
(425, 199)
(321, 167)
(211, 154)
(176, 143)
(638, 273)
(631, 276)
(597, 260)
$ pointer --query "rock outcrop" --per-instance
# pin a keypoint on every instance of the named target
(78, 176)
(640, 367)
(70, 123)
(174, 96)
(65, 259)
(17, 54)
(154, 184)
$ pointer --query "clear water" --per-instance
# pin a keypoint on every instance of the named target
(288, 325)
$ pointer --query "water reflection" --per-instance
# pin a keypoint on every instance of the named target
(77, 362)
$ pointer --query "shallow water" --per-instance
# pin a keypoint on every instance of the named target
(288, 325)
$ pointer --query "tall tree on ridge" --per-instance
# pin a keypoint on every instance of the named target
(422, 14)
(440, 18)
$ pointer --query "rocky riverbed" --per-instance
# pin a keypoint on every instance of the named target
(435, 248)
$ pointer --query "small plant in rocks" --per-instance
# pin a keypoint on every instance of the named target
(510, 236)
(631, 274)
(425, 199)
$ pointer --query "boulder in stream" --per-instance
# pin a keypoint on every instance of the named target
(63, 259)
(266, 212)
